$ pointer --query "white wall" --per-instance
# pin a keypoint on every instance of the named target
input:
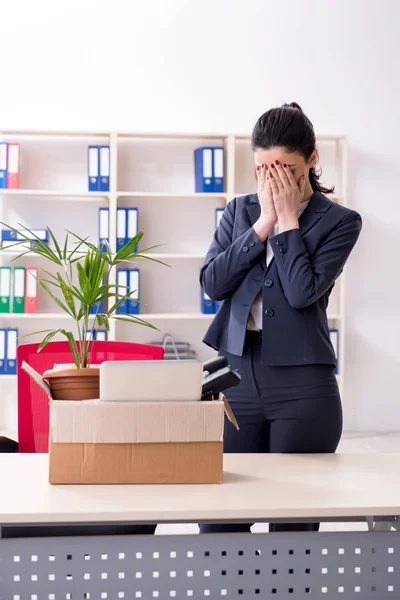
(216, 65)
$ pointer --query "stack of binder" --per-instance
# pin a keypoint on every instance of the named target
(8, 351)
(128, 280)
(99, 168)
(96, 334)
(98, 308)
(127, 226)
(18, 290)
(9, 165)
(209, 169)
(10, 238)
(104, 228)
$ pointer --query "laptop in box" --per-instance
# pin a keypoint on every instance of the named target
(151, 381)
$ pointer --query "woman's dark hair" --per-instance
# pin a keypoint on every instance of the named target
(288, 127)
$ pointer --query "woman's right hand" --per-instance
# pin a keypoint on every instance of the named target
(264, 192)
(268, 216)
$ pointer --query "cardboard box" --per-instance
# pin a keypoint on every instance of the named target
(93, 442)
(138, 442)
(188, 462)
(97, 422)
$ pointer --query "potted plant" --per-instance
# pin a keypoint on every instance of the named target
(78, 287)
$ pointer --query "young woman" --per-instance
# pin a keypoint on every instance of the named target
(273, 261)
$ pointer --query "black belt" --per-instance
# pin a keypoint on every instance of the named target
(253, 336)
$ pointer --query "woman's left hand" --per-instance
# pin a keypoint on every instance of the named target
(287, 194)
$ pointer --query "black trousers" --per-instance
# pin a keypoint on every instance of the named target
(294, 409)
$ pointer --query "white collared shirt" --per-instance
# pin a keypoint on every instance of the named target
(255, 319)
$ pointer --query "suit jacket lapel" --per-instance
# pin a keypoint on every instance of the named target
(318, 204)
(253, 210)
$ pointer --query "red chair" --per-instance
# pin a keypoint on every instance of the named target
(33, 404)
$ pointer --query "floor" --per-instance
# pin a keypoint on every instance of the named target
(351, 442)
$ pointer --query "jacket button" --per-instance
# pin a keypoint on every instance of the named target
(270, 312)
(245, 249)
(268, 283)
(252, 244)
(283, 250)
(279, 243)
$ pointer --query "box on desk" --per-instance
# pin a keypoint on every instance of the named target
(94, 442)
(121, 442)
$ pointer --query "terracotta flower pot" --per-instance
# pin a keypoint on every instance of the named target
(74, 384)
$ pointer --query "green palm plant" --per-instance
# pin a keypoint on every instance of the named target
(81, 283)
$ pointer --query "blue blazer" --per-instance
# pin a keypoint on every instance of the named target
(295, 286)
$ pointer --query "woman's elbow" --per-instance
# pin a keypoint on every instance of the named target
(215, 294)
(207, 286)
(299, 301)
(210, 287)
(299, 304)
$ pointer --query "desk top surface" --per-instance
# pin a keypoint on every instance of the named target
(257, 487)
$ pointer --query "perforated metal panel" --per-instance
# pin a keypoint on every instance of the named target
(285, 566)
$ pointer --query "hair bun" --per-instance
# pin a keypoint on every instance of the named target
(294, 105)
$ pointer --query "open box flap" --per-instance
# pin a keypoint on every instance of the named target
(228, 411)
(37, 378)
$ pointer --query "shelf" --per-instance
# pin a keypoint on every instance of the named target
(57, 194)
(174, 316)
(64, 316)
(143, 134)
(194, 316)
(146, 317)
(320, 138)
(13, 253)
(55, 134)
(177, 316)
(173, 136)
(159, 256)
(209, 196)
(211, 136)
(8, 377)
(176, 256)
(333, 197)
(36, 316)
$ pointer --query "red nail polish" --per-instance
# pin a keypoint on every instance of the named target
(277, 162)
(272, 166)
(258, 168)
(285, 165)
(263, 165)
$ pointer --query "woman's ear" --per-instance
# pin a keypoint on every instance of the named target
(313, 159)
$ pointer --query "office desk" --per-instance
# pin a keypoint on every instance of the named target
(341, 487)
